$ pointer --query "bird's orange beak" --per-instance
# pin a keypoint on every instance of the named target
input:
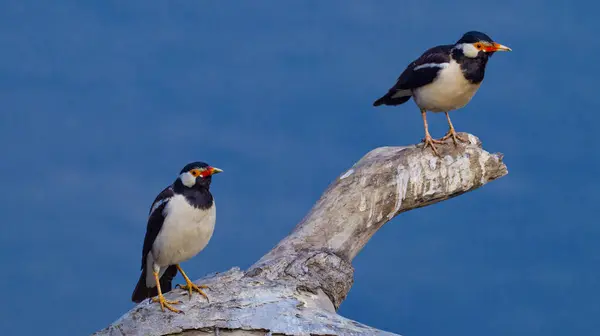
(214, 170)
(497, 47)
(211, 171)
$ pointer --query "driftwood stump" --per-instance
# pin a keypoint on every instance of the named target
(297, 287)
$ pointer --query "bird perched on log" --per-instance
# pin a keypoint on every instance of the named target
(443, 79)
(180, 224)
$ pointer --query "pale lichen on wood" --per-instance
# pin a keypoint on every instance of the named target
(296, 288)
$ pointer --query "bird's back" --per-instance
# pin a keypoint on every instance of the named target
(418, 73)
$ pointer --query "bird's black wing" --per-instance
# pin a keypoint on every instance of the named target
(155, 221)
(420, 72)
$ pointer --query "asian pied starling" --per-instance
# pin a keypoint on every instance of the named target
(443, 79)
(180, 224)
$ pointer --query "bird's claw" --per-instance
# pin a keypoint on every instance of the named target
(190, 287)
(429, 141)
(167, 304)
(452, 134)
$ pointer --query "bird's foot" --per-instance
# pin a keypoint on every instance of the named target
(455, 137)
(429, 141)
(190, 287)
(166, 304)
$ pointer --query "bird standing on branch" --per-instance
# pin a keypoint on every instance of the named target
(443, 79)
(180, 224)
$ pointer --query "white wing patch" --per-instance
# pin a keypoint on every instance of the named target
(431, 65)
(158, 204)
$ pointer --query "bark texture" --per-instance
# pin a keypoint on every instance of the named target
(297, 287)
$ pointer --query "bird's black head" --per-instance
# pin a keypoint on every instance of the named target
(197, 175)
(474, 37)
(476, 44)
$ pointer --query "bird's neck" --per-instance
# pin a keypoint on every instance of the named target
(198, 196)
(473, 68)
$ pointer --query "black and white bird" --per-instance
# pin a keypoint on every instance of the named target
(180, 224)
(444, 78)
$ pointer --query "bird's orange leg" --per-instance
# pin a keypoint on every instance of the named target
(429, 141)
(190, 286)
(452, 133)
(164, 303)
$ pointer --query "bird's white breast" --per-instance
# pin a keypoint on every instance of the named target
(449, 91)
(185, 232)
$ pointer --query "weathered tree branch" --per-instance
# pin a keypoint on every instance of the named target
(296, 288)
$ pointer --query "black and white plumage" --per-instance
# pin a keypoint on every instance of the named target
(180, 224)
(444, 78)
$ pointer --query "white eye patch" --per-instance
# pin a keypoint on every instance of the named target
(187, 179)
(468, 50)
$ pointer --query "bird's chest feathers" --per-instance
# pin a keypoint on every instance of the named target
(185, 231)
(449, 91)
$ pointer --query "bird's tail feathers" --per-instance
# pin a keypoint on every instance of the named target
(141, 291)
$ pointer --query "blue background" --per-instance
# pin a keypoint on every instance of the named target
(103, 102)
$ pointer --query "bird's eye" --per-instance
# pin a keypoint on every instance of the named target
(195, 172)
(478, 46)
